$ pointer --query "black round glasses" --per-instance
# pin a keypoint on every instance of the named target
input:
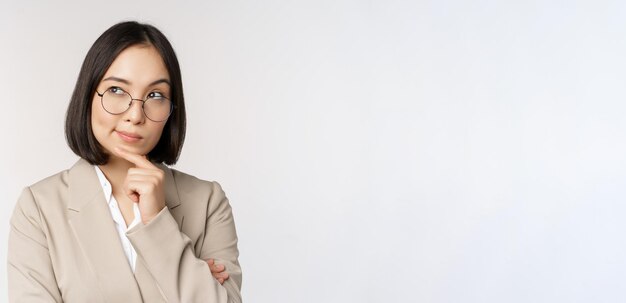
(155, 106)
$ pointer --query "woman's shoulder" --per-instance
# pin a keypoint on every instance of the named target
(199, 198)
(45, 194)
(189, 183)
(62, 179)
(53, 182)
(54, 190)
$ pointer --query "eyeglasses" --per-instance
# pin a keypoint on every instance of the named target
(156, 106)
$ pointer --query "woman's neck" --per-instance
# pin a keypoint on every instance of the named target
(115, 171)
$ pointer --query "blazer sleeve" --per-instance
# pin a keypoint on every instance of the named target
(169, 254)
(30, 273)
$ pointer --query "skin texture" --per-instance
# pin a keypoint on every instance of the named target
(138, 70)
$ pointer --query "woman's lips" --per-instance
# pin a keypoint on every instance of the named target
(128, 137)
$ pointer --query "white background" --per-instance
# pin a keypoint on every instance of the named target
(373, 151)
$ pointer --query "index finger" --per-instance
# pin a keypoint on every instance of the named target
(138, 160)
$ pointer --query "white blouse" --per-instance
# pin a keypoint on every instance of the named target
(120, 224)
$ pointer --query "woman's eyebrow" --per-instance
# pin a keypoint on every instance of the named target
(113, 78)
(163, 80)
(117, 80)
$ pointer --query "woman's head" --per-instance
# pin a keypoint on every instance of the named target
(129, 59)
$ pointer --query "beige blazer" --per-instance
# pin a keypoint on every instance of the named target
(63, 245)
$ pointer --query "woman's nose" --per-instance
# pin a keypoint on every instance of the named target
(134, 113)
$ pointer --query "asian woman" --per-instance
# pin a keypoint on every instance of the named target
(120, 225)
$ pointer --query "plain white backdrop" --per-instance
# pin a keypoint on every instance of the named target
(372, 151)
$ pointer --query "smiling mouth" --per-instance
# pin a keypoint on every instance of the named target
(128, 137)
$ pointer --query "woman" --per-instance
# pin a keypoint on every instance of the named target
(119, 226)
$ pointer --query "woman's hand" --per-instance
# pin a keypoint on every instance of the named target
(144, 185)
(218, 271)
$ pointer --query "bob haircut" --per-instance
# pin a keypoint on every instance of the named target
(108, 46)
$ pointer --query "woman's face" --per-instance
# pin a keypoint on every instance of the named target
(138, 70)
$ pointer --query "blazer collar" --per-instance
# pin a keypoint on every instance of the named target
(94, 228)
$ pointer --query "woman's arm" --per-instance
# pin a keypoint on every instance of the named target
(167, 252)
(169, 255)
(30, 273)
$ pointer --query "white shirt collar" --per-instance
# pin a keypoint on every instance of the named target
(106, 186)
(116, 214)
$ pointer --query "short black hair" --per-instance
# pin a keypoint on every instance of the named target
(100, 56)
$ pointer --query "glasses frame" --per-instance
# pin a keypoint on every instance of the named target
(143, 103)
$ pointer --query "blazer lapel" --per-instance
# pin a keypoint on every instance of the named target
(172, 201)
(95, 231)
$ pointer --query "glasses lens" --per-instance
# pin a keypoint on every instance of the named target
(115, 100)
(157, 108)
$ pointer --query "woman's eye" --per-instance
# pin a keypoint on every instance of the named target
(116, 90)
(155, 95)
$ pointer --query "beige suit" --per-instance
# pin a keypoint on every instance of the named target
(63, 245)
